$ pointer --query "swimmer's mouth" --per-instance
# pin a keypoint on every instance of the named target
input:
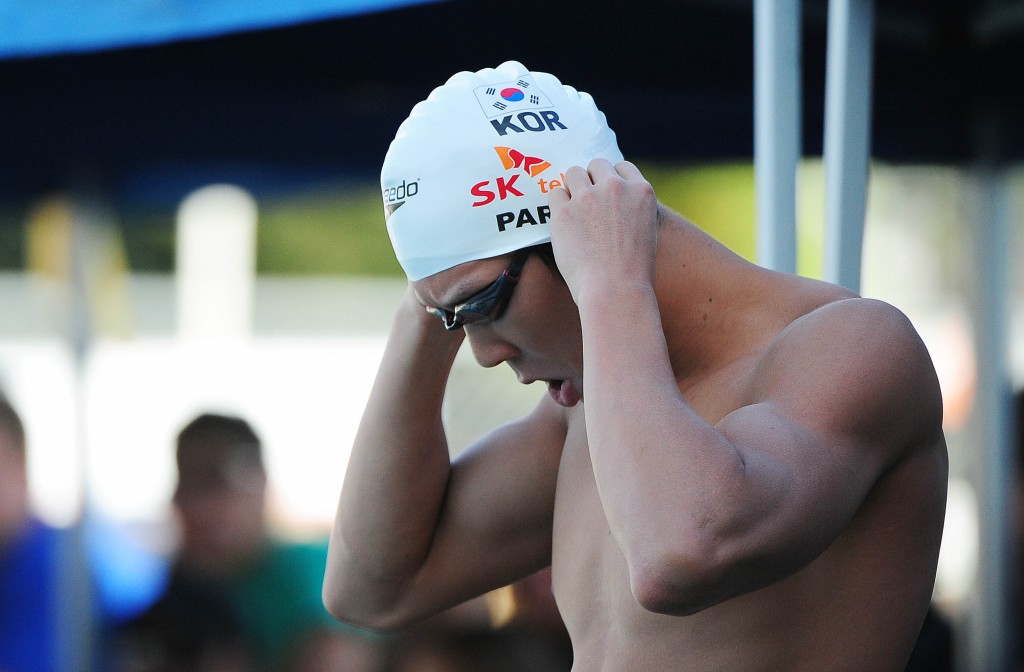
(564, 393)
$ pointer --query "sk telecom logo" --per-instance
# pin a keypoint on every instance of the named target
(505, 187)
(511, 97)
(513, 158)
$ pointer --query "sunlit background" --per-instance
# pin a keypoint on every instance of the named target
(130, 303)
(278, 311)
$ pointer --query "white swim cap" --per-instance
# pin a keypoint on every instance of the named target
(468, 174)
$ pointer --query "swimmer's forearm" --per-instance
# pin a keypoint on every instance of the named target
(397, 473)
(662, 470)
(404, 406)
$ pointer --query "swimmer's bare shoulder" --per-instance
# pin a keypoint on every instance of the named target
(856, 367)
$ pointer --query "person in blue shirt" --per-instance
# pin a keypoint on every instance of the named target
(52, 579)
(28, 588)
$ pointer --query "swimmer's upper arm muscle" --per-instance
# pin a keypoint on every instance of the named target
(842, 398)
(493, 527)
(500, 503)
(832, 420)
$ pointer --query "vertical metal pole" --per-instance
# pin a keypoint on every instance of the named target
(777, 143)
(847, 136)
(76, 602)
(991, 425)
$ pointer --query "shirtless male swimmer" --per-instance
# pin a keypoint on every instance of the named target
(734, 469)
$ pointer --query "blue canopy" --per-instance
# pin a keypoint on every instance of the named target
(137, 96)
(44, 27)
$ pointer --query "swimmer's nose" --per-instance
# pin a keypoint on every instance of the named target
(488, 349)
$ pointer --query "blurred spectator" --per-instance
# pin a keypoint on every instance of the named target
(28, 582)
(238, 598)
(121, 579)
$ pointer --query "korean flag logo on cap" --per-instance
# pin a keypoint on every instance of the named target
(509, 97)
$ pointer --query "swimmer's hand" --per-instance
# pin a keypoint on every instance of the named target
(604, 226)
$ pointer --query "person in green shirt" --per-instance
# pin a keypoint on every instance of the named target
(238, 598)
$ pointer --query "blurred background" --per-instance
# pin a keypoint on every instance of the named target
(190, 221)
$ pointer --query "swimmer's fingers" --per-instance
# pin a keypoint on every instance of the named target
(558, 196)
(600, 170)
(628, 171)
(576, 180)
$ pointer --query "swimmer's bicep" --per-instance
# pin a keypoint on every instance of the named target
(496, 523)
(514, 464)
(804, 464)
(845, 396)
(841, 404)
(861, 377)
(803, 487)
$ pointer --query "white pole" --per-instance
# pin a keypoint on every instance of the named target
(847, 136)
(777, 143)
(75, 600)
(216, 265)
(994, 464)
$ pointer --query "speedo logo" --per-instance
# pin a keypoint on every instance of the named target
(395, 197)
(503, 186)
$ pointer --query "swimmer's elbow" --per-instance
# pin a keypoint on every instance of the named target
(366, 614)
(379, 621)
(677, 584)
(339, 607)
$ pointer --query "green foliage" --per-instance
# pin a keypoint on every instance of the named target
(339, 229)
(12, 240)
(149, 239)
(328, 232)
(719, 199)
(810, 219)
